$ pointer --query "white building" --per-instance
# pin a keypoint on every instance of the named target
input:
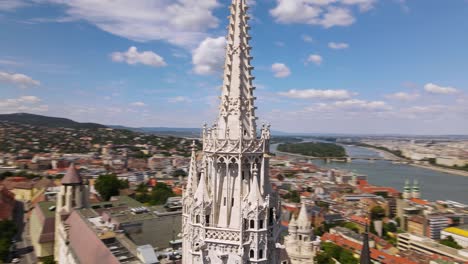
(299, 243)
(231, 215)
(407, 241)
(459, 234)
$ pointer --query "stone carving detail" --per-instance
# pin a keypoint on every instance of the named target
(222, 235)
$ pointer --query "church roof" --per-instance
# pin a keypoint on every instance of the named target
(72, 176)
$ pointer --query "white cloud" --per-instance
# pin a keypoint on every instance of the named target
(28, 103)
(437, 89)
(429, 109)
(338, 46)
(179, 22)
(208, 58)
(296, 11)
(337, 16)
(132, 57)
(9, 5)
(364, 5)
(351, 105)
(307, 38)
(315, 58)
(138, 104)
(402, 96)
(280, 70)
(179, 99)
(18, 79)
(318, 94)
(327, 13)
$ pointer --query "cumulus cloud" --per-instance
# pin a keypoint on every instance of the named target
(338, 46)
(27, 103)
(327, 13)
(437, 89)
(179, 99)
(138, 104)
(132, 57)
(10, 5)
(352, 105)
(364, 5)
(179, 22)
(280, 70)
(315, 58)
(337, 16)
(402, 96)
(208, 57)
(18, 79)
(318, 94)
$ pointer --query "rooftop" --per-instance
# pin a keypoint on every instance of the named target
(461, 230)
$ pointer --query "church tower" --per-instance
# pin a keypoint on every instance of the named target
(407, 194)
(230, 213)
(416, 191)
(299, 243)
(73, 194)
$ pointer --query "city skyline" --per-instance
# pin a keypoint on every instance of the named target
(345, 66)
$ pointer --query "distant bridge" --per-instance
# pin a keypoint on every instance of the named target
(340, 159)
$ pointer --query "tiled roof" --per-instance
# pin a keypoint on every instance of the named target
(72, 176)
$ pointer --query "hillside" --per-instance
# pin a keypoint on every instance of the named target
(46, 121)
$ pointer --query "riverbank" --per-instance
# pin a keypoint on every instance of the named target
(424, 166)
(440, 169)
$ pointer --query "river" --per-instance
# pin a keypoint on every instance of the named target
(434, 185)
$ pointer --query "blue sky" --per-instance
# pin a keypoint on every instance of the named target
(321, 66)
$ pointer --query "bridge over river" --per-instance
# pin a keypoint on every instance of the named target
(342, 159)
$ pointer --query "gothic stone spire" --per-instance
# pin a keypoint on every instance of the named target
(237, 111)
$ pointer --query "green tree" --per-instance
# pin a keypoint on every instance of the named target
(160, 193)
(351, 226)
(389, 227)
(377, 213)
(450, 242)
(7, 232)
(346, 257)
(48, 260)
(179, 172)
(323, 258)
(109, 185)
(295, 197)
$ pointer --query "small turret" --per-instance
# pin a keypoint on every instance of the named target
(407, 190)
(416, 191)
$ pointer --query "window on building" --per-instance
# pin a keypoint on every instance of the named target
(252, 224)
(197, 219)
(207, 219)
(271, 215)
(260, 254)
(252, 253)
(260, 224)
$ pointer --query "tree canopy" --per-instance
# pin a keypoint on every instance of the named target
(109, 185)
(7, 232)
(314, 149)
(450, 242)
